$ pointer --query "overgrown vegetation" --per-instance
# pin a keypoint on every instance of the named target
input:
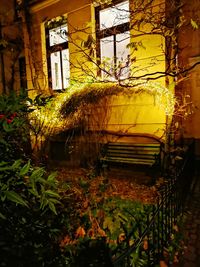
(44, 222)
(31, 218)
(14, 130)
(74, 107)
(110, 225)
(30, 203)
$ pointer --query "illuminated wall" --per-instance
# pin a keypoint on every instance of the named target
(78, 14)
(129, 114)
(139, 114)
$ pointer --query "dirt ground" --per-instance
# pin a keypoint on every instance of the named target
(123, 183)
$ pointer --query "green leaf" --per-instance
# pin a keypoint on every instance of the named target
(41, 180)
(25, 169)
(44, 204)
(2, 216)
(37, 173)
(108, 223)
(135, 257)
(7, 127)
(14, 197)
(3, 197)
(51, 177)
(2, 141)
(4, 187)
(55, 201)
(34, 192)
(3, 163)
(16, 164)
(6, 168)
(122, 217)
(52, 194)
(52, 207)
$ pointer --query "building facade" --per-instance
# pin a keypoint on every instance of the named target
(125, 41)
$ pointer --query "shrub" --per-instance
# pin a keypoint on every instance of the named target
(31, 216)
(14, 130)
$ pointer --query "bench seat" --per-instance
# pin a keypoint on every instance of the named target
(131, 153)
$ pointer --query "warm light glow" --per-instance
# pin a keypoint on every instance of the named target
(50, 120)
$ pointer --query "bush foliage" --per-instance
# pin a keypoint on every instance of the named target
(31, 216)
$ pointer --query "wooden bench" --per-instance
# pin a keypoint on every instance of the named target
(131, 153)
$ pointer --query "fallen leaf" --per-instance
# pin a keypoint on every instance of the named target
(80, 232)
(163, 264)
(145, 244)
(101, 232)
(121, 237)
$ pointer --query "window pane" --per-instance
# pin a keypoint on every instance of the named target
(107, 55)
(56, 71)
(123, 53)
(114, 16)
(65, 67)
(58, 35)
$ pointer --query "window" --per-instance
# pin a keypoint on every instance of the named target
(114, 36)
(58, 56)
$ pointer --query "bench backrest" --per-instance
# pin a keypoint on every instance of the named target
(133, 152)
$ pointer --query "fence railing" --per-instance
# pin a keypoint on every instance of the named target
(150, 246)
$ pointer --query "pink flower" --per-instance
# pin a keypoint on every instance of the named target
(14, 114)
(9, 121)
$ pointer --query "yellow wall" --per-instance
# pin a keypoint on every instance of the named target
(78, 14)
(139, 113)
(150, 55)
(151, 58)
(133, 114)
(148, 59)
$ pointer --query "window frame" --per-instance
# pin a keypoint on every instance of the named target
(111, 31)
(50, 49)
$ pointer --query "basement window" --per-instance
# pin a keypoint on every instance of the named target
(58, 56)
(113, 35)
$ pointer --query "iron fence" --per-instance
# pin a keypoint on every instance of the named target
(150, 246)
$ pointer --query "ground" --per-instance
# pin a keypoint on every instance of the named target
(123, 183)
